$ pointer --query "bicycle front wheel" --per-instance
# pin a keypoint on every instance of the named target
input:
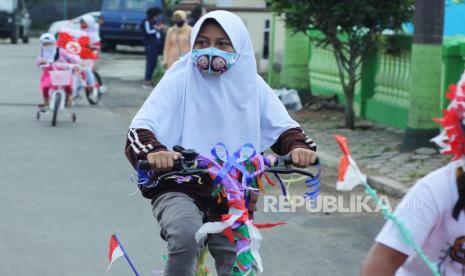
(95, 95)
(56, 108)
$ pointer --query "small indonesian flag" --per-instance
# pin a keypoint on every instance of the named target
(115, 250)
(349, 174)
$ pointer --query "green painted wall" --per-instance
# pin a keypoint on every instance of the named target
(294, 72)
(453, 64)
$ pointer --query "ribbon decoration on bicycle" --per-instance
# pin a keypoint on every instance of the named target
(236, 176)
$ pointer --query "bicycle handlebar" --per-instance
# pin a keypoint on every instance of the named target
(144, 165)
(183, 166)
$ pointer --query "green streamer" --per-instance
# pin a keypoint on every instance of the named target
(404, 231)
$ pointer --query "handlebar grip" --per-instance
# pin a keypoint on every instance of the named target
(287, 160)
(317, 162)
(177, 166)
(144, 165)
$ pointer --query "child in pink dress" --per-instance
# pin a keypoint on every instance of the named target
(52, 58)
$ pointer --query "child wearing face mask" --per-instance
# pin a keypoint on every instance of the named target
(212, 94)
(177, 42)
(53, 58)
(152, 28)
(90, 28)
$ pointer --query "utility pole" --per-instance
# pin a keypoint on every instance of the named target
(271, 76)
(425, 86)
(65, 9)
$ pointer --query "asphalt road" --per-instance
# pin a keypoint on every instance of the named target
(65, 190)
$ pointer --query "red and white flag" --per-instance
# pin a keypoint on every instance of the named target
(349, 174)
(115, 250)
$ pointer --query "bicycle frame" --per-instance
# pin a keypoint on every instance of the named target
(60, 79)
(53, 92)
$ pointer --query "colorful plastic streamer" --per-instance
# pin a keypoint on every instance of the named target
(236, 176)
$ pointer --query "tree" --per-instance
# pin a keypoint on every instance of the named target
(350, 29)
(169, 6)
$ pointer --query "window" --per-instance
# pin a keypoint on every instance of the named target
(112, 5)
(8, 5)
(139, 5)
(266, 39)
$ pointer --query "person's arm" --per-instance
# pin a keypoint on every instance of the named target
(139, 143)
(420, 213)
(40, 61)
(298, 145)
(166, 48)
(382, 260)
(291, 139)
(187, 40)
(70, 58)
(149, 29)
(96, 46)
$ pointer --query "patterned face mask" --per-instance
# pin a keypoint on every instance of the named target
(213, 61)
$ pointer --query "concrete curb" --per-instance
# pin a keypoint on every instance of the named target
(380, 183)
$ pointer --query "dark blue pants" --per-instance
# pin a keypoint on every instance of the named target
(151, 56)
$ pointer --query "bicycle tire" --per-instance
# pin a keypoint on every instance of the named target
(56, 107)
(89, 94)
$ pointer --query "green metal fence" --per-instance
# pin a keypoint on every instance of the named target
(383, 94)
(389, 101)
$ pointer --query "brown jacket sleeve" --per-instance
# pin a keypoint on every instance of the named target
(291, 139)
(139, 143)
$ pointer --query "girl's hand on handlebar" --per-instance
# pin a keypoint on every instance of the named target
(43, 62)
(162, 160)
(76, 68)
(302, 158)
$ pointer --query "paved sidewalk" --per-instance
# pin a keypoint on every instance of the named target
(375, 149)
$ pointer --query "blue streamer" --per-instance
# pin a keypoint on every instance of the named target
(313, 183)
(230, 162)
(283, 188)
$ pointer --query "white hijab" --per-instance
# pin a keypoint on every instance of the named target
(48, 53)
(92, 29)
(197, 112)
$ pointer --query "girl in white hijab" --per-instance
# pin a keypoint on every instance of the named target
(88, 25)
(212, 94)
(51, 54)
(90, 28)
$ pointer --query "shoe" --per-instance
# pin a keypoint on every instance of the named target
(147, 86)
(102, 89)
(43, 108)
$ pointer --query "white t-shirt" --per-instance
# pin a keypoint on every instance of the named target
(427, 211)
